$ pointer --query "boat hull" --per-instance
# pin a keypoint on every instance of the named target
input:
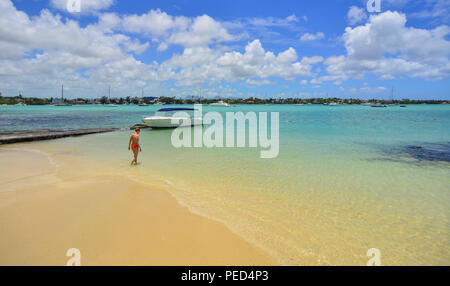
(170, 122)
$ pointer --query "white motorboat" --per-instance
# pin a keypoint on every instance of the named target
(378, 105)
(220, 103)
(168, 118)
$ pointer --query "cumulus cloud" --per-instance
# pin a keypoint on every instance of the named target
(258, 82)
(312, 37)
(166, 29)
(154, 23)
(256, 62)
(273, 21)
(43, 51)
(203, 31)
(39, 53)
(356, 15)
(386, 47)
(255, 65)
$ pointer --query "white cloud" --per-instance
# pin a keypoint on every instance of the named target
(256, 62)
(312, 37)
(258, 82)
(166, 29)
(312, 60)
(273, 21)
(203, 31)
(364, 90)
(154, 23)
(136, 46)
(388, 48)
(41, 52)
(356, 15)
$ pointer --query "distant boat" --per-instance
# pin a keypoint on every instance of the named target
(333, 104)
(164, 118)
(158, 103)
(143, 103)
(20, 104)
(299, 104)
(220, 103)
(109, 100)
(62, 99)
(402, 105)
(378, 105)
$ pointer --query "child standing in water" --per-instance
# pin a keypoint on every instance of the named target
(134, 144)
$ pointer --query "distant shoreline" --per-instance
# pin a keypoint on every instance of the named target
(17, 100)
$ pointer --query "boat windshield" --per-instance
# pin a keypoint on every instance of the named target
(169, 112)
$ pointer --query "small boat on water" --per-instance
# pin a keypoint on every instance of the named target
(333, 104)
(167, 118)
(142, 103)
(158, 103)
(62, 102)
(378, 105)
(220, 103)
(109, 100)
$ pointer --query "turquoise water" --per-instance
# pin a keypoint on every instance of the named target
(347, 178)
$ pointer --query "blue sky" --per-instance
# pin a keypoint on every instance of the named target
(226, 48)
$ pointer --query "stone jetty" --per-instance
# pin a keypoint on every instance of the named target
(10, 137)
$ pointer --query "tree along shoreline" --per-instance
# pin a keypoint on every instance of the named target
(172, 100)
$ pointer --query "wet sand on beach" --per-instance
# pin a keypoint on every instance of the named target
(51, 204)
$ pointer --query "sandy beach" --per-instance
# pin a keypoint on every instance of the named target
(49, 204)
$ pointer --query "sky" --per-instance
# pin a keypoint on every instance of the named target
(225, 48)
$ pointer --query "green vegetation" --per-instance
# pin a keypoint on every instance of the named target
(26, 100)
(193, 100)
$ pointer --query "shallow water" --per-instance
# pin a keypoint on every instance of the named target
(347, 178)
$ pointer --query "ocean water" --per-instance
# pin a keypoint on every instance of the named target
(347, 178)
